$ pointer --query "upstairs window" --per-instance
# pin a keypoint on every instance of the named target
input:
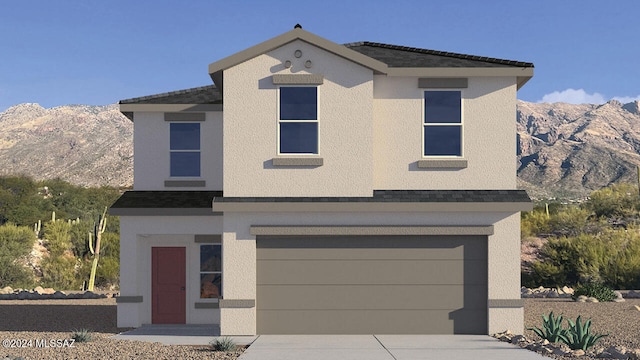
(185, 149)
(442, 127)
(298, 120)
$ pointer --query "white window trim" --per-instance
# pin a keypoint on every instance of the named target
(317, 121)
(201, 299)
(424, 125)
(184, 151)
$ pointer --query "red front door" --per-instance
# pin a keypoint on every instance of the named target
(168, 285)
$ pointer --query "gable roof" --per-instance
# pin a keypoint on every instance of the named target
(403, 56)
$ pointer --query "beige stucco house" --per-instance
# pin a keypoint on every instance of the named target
(321, 188)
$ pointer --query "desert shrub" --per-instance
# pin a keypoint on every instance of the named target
(59, 267)
(611, 257)
(533, 223)
(16, 243)
(593, 289)
(615, 201)
(570, 221)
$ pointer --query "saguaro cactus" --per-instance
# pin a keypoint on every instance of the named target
(98, 230)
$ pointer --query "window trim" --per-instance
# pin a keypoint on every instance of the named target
(279, 121)
(199, 151)
(424, 124)
(200, 272)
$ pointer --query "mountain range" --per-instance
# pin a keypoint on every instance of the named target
(564, 150)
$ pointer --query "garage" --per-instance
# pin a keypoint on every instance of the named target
(371, 284)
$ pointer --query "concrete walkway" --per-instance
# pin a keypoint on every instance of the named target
(384, 347)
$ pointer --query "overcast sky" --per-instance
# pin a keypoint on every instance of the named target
(98, 52)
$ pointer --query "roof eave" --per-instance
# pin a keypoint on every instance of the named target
(297, 34)
(130, 108)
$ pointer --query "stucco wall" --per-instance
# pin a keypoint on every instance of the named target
(489, 136)
(151, 152)
(137, 235)
(345, 111)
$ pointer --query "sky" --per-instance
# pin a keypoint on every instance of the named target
(97, 52)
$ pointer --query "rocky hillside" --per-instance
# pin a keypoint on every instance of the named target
(85, 145)
(571, 150)
(563, 149)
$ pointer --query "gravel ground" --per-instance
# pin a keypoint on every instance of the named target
(55, 319)
(620, 320)
(47, 320)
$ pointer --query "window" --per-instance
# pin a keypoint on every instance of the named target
(185, 149)
(210, 271)
(442, 127)
(298, 120)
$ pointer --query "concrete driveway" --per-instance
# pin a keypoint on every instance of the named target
(384, 347)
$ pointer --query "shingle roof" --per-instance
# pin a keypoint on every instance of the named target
(504, 196)
(199, 95)
(166, 199)
(402, 56)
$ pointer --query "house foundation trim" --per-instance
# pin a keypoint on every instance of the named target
(370, 230)
(506, 303)
(237, 303)
(128, 299)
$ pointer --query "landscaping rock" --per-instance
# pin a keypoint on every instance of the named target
(592, 300)
(614, 352)
(578, 352)
(6, 290)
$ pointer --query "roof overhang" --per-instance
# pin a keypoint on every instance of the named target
(256, 206)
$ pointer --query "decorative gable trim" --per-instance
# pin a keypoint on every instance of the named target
(297, 79)
(443, 83)
(296, 34)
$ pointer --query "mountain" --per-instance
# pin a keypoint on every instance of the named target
(570, 150)
(85, 145)
(564, 150)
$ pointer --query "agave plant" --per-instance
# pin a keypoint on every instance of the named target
(81, 335)
(579, 336)
(225, 344)
(552, 328)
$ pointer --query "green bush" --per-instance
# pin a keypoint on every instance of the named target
(611, 257)
(533, 223)
(59, 272)
(616, 201)
(15, 245)
(570, 221)
(597, 290)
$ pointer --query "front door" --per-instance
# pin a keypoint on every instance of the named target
(168, 285)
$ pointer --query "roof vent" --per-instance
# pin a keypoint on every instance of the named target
(297, 26)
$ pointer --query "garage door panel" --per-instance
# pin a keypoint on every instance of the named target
(372, 247)
(374, 272)
(372, 284)
(370, 322)
(383, 297)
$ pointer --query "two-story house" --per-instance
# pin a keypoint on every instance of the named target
(320, 188)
